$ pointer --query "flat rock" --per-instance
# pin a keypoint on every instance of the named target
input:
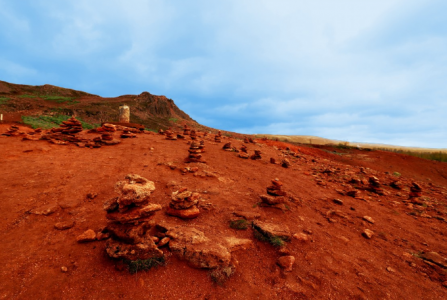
(368, 219)
(368, 233)
(301, 237)
(87, 236)
(69, 203)
(247, 215)
(270, 200)
(434, 257)
(45, 210)
(189, 213)
(134, 213)
(234, 244)
(273, 230)
(64, 225)
(134, 189)
(338, 201)
(286, 262)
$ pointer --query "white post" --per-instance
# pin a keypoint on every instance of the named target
(1, 117)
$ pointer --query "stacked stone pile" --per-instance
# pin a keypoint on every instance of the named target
(202, 146)
(170, 135)
(257, 155)
(186, 130)
(272, 160)
(415, 190)
(161, 131)
(275, 193)
(180, 136)
(227, 147)
(194, 153)
(13, 131)
(107, 136)
(129, 217)
(66, 133)
(128, 134)
(244, 149)
(218, 137)
(184, 204)
(374, 185)
(246, 140)
(193, 135)
(71, 126)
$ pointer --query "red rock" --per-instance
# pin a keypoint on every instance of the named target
(87, 236)
(286, 262)
(189, 213)
(368, 233)
(64, 225)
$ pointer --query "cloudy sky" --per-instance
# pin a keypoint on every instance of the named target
(365, 71)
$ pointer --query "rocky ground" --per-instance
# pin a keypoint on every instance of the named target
(307, 224)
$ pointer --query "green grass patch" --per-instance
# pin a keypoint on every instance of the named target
(239, 224)
(274, 240)
(3, 100)
(220, 275)
(144, 265)
(174, 120)
(27, 96)
(48, 122)
(397, 174)
(60, 99)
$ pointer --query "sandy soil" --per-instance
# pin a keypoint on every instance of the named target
(337, 262)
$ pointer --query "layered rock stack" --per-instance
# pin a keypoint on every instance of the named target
(257, 155)
(194, 153)
(275, 194)
(70, 127)
(186, 130)
(107, 136)
(246, 140)
(244, 149)
(218, 137)
(184, 204)
(415, 190)
(170, 135)
(161, 131)
(227, 147)
(128, 134)
(13, 131)
(180, 136)
(272, 161)
(374, 185)
(202, 146)
(193, 135)
(129, 217)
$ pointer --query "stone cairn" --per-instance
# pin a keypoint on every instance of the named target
(202, 146)
(275, 194)
(13, 131)
(285, 163)
(66, 133)
(193, 135)
(70, 127)
(170, 135)
(186, 130)
(161, 131)
(194, 153)
(218, 137)
(184, 204)
(415, 190)
(227, 147)
(246, 141)
(128, 134)
(374, 185)
(129, 217)
(244, 152)
(272, 161)
(257, 155)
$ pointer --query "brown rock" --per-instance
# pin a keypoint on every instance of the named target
(189, 213)
(368, 233)
(301, 237)
(134, 190)
(338, 201)
(434, 257)
(45, 210)
(64, 269)
(164, 241)
(87, 236)
(271, 200)
(64, 225)
(273, 230)
(146, 250)
(286, 262)
(134, 213)
(368, 219)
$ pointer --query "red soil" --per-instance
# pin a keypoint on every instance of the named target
(336, 263)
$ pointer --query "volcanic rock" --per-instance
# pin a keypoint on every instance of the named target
(184, 204)
(286, 262)
(170, 135)
(285, 163)
(218, 137)
(193, 135)
(88, 236)
(271, 230)
(64, 225)
(194, 153)
(186, 130)
(227, 147)
(415, 190)
(368, 233)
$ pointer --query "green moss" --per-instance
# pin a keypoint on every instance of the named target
(239, 224)
(144, 265)
(27, 96)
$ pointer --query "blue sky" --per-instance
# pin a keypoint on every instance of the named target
(365, 71)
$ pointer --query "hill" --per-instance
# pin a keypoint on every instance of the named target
(154, 112)
(343, 224)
